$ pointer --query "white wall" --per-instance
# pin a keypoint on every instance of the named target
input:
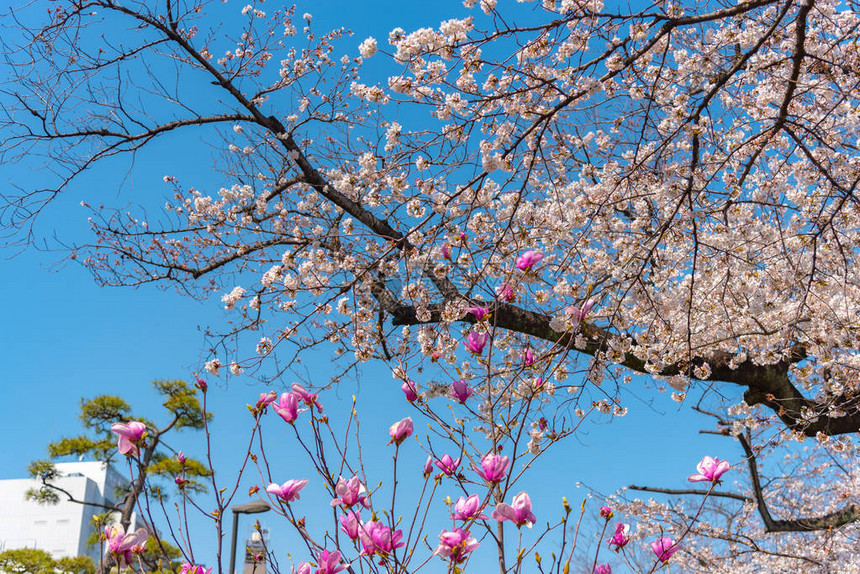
(61, 529)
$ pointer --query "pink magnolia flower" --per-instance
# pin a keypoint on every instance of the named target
(475, 342)
(478, 311)
(180, 458)
(350, 492)
(129, 436)
(621, 536)
(602, 569)
(446, 250)
(189, 568)
(201, 384)
(448, 465)
(289, 491)
(376, 538)
(461, 390)
(121, 545)
(710, 470)
(329, 562)
(528, 358)
(409, 389)
(287, 407)
(606, 512)
(350, 524)
(586, 307)
(528, 260)
(400, 431)
(505, 292)
(468, 508)
(456, 545)
(579, 314)
(493, 467)
(664, 547)
(310, 399)
(266, 399)
(302, 568)
(428, 466)
(519, 512)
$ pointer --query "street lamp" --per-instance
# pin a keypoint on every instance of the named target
(254, 507)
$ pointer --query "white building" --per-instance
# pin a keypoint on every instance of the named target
(61, 529)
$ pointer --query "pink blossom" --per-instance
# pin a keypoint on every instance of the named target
(579, 314)
(400, 431)
(710, 470)
(349, 493)
(664, 547)
(376, 538)
(505, 292)
(448, 465)
(586, 307)
(266, 399)
(621, 536)
(329, 562)
(188, 568)
(180, 458)
(409, 389)
(528, 260)
(602, 569)
(310, 399)
(461, 390)
(456, 545)
(201, 384)
(121, 545)
(179, 481)
(494, 468)
(428, 466)
(528, 358)
(606, 512)
(287, 407)
(519, 512)
(350, 523)
(478, 312)
(302, 568)
(289, 491)
(468, 508)
(475, 342)
(446, 250)
(129, 436)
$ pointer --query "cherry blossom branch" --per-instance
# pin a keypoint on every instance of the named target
(768, 385)
(687, 491)
(830, 520)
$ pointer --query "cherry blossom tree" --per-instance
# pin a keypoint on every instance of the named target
(547, 198)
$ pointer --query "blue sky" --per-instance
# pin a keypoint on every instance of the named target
(65, 338)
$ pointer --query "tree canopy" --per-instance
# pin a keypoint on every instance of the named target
(35, 561)
(155, 460)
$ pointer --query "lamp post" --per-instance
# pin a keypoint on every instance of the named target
(254, 507)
